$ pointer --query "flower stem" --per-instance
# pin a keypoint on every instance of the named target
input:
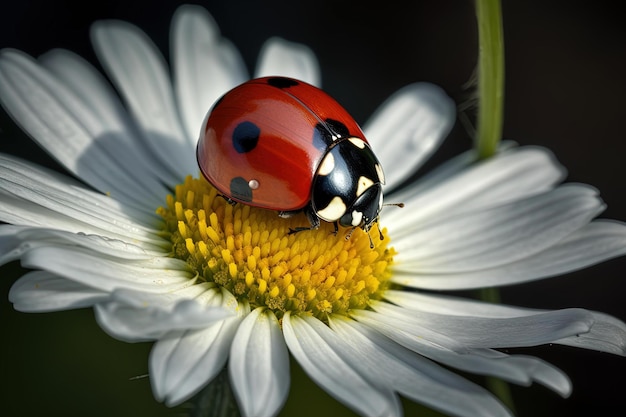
(489, 122)
(490, 77)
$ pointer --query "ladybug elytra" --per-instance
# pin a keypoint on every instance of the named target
(281, 144)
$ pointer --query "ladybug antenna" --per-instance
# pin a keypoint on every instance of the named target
(394, 204)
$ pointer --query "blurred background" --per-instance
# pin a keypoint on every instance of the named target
(565, 90)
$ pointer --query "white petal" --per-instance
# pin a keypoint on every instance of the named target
(478, 332)
(22, 213)
(259, 365)
(511, 174)
(40, 292)
(408, 127)
(25, 213)
(428, 333)
(134, 316)
(22, 172)
(608, 334)
(532, 369)
(41, 192)
(116, 133)
(140, 73)
(454, 306)
(15, 241)
(63, 125)
(596, 242)
(503, 234)
(181, 364)
(449, 169)
(95, 270)
(289, 59)
(414, 376)
(517, 369)
(314, 346)
(205, 65)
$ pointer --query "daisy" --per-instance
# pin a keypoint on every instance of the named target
(145, 240)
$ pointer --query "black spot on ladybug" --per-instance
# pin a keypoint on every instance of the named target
(337, 128)
(240, 190)
(282, 82)
(322, 137)
(324, 134)
(246, 137)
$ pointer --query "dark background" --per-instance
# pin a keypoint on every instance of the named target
(565, 89)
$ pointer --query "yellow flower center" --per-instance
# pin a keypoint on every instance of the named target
(250, 252)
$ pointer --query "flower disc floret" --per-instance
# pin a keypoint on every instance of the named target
(251, 252)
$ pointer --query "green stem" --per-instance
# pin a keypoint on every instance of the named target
(501, 390)
(490, 77)
(489, 122)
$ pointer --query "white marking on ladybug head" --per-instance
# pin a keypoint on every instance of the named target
(253, 184)
(380, 173)
(359, 143)
(327, 165)
(380, 202)
(357, 218)
(364, 184)
(333, 211)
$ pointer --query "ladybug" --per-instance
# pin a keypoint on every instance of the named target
(281, 144)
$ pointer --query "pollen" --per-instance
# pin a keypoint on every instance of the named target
(250, 252)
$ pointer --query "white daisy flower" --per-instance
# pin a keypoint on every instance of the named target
(150, 246)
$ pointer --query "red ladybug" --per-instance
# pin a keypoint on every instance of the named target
(282, 144)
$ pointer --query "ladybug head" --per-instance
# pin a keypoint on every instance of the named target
(365, 209)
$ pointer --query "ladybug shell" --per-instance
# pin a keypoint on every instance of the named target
(263, 141)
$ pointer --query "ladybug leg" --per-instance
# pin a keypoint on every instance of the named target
(287, 214)
(228, 200)
(380, 232)
(311, 216)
